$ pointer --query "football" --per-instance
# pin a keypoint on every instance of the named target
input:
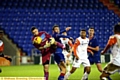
(37, 40)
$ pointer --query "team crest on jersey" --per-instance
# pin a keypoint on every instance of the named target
(43, 37)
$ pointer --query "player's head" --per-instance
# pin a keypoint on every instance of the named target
(83, 33)
(117, 29)
(34, 31)
(56, 29)
(1, 34)
(91, 31)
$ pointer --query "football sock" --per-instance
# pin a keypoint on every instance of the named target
(68, 68)
(85, 76)
(67, 75)
(109, 78)
(46, 75)
(61, 77)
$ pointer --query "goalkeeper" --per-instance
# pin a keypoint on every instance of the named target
(46, 44)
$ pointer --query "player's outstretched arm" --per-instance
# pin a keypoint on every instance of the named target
(112, 40)
(66, 29)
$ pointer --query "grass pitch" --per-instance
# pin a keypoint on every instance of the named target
(37, 71)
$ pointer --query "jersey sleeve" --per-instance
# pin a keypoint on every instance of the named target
(62, 36)
(62, 31)
(112, 40)
(76, 44)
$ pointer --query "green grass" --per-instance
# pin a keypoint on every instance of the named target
(37, 71)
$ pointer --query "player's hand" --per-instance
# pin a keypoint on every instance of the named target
(89, 47)
(68, 55)
(52, 41)
(91, 53)
(68, 28)
(48, 44)
(102, 52)
(77, 58)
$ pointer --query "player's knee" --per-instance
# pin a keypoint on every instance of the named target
(100, 69)
(71, 71)
(46, 68)
(63, 70)
(88, 70)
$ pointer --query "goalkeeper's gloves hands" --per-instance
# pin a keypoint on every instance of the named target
(47, 44)
(52, 41)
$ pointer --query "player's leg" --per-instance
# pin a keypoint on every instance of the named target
(104, 76)
(99, 67)
(68, 65)
(87, 69)
(75, 65)
(86, 73)
(62, 67)
(108, 70)
(91, 60)
(97, 60)
(46, 69)
(45, 62)
(59, 58)
(69, 73)
(67, 60)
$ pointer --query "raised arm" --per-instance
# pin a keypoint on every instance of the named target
(112, 40)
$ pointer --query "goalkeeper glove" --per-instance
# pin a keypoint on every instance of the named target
(52, 40)
(47, 44)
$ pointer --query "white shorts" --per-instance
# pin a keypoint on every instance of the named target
(77, 63)
(111, 68)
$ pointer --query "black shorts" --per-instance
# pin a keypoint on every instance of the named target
(47, 62)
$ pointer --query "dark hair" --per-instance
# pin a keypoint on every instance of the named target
(117, 28)
(54, 26)
(83, 30)
(91, 28)
(33, 28)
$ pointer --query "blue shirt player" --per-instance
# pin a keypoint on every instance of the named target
(58, 56)
(94, 47)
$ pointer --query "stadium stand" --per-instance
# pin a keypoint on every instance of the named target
(17, 17)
